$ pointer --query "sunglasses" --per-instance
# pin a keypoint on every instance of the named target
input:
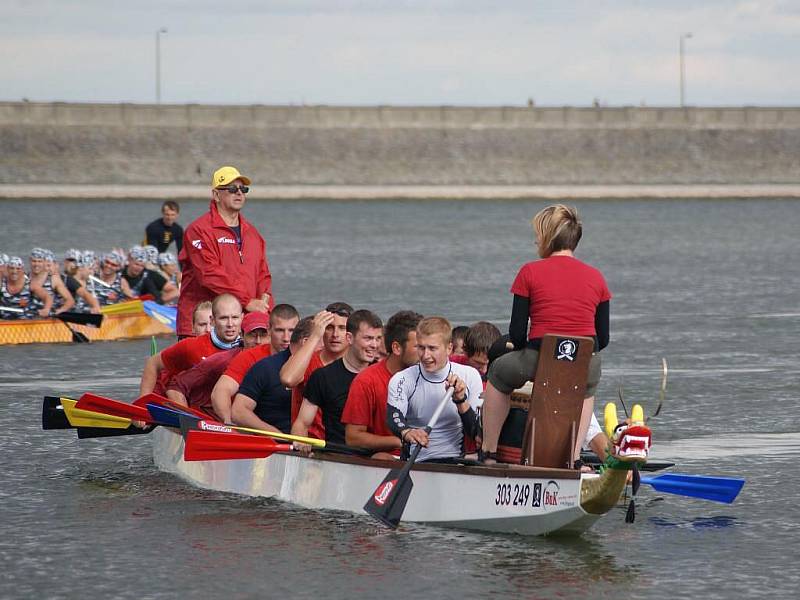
(232, 189)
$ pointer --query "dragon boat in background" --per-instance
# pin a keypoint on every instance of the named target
(133, 319)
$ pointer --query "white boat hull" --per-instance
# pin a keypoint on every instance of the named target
(531, 503)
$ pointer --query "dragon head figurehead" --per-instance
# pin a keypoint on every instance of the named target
(631, 439)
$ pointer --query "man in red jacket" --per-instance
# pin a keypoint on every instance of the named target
(223, 253)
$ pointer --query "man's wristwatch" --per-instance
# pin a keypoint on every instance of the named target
(464, 399)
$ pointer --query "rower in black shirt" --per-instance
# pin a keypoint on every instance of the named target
(328, 386)
(138, 281)
(161, 232)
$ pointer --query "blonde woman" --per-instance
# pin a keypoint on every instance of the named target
(557, 294)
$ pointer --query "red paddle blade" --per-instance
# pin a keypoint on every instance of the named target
(153, 398)
(108, 406)
(213, 445)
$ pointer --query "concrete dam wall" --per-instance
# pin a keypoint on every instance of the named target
(107, 144)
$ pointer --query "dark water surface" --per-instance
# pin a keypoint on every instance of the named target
(713, 286)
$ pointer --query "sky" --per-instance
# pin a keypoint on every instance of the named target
(402, 52)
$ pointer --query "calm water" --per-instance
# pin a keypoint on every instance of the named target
(712, 286)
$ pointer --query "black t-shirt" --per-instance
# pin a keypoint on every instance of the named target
(73, 285)
(148, 282)
(327, 388)
(273, 401)
(159, 235)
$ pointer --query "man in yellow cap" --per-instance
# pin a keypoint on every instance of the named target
(223, 253)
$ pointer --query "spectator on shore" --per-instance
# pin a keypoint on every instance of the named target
(224, 253)
(162, 232)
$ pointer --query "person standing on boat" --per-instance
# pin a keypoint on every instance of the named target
(558, 294)
(227, 320)
(282, 321)
(262, 401)
(224, 253)
(364, 415)
(328, 386)
(415, 393)
(330, 331)
(162, 232)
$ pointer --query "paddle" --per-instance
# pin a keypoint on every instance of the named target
(213, 445)
(80, 318)
(163, 314)
(53, 415)
(140, 403)
(191, 423)
(389, 499)
(89, 401)
(593, 461)
(718, 489)
(79, 417)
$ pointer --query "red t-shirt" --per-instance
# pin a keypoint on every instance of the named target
(197, 383)
(187, 353)
(366, 400)
(240, 365)
(317, 429)
(563, 292)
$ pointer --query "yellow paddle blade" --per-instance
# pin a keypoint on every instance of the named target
(282, 436)
(610, 420)
(79, 417)
(637, 415)
(123, 308)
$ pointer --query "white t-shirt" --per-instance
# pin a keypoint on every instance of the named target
(416, 393)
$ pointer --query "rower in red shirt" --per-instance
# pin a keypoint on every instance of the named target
(364, 415)
(282, 321)
(226, 312)
(330, 328)
(193, 386)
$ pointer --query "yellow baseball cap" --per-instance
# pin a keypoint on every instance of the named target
(225, 175)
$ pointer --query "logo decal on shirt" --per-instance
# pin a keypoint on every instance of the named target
(225, 240)
(197, 244)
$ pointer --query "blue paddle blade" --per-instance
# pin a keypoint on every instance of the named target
(166, 416)
(165, 314)
(718, 489)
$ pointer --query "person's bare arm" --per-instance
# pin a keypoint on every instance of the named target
(42, 294)
(295, 368)
(243, 412)
(177, 397)
(222, 396)
(90, 299)
(357, 435)
(126, 288)
(169, 292)
(152, 368)
(304, 420)
(61, 289)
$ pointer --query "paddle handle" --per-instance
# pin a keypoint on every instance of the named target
(437, 413)
(12, 309)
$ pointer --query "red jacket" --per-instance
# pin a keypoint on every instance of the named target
(212, 264)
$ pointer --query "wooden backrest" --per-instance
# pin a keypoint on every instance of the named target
(558, 391)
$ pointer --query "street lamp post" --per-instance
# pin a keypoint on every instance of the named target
(158, 63)
(682, 52)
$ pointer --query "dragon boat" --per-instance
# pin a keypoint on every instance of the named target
(126, 320)
(546, 494)
(500, 498)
